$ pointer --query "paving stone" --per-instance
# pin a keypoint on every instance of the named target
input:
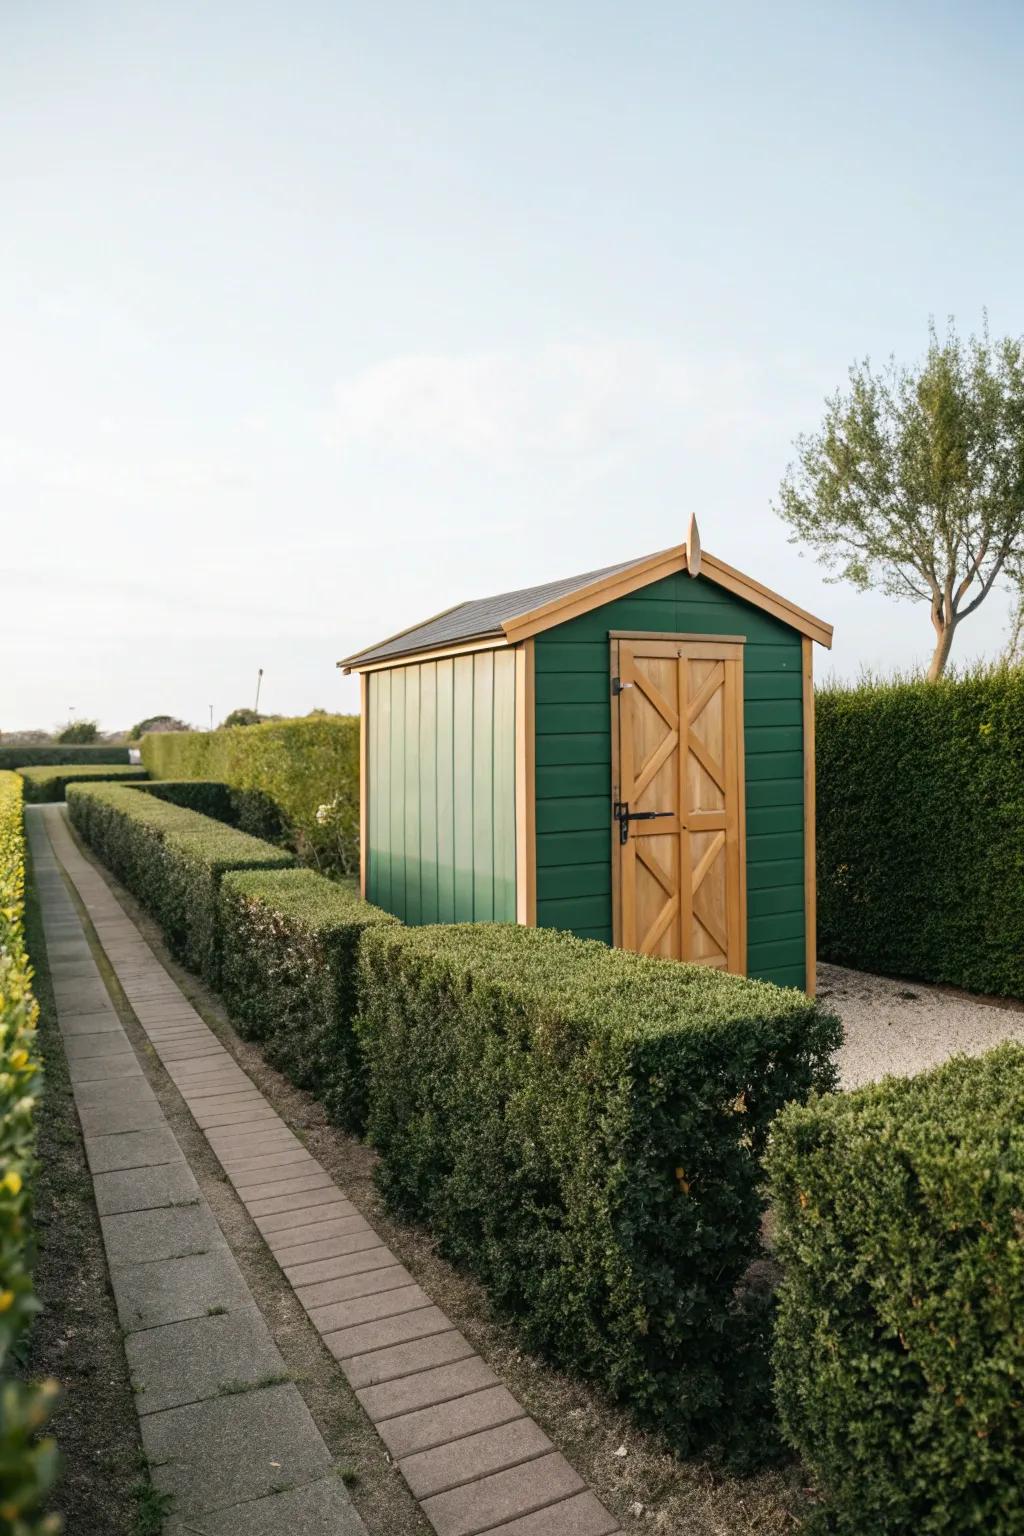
(392, 1362)
(373, 1256)
(308, 1199)
(78, 1047)
(150, 1295)
(368, 1309)
(320, 1231)
(247, 1143)
(111, 1119)
(346, 1343)
(143, 1189)
(372, 1282)
(98, 1095)
(92, 1024)
(435, 1426)
(82, 996)
(218, 1087)
(136, 1149)
(502, 1497)
(581, 1515)
(272, 1161)
(299, 1214)
(474, 1457)
(189, 1361)
(303, 1254)
(320, 1509)
(144, 1236)
(212, 1454)
(441, 1385)
(105, 1068)
(297, 1186)
(251, 1113)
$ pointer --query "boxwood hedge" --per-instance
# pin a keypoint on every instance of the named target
(171, 858)
(921, 829)
(247, 809)
(28, 1461)
(15, 756)
(48, 784)
(899, 1358)
(583, 1128)
(289, 974)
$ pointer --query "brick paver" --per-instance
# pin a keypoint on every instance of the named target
(465, 1446)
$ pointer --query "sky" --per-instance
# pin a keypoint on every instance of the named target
(317, 318)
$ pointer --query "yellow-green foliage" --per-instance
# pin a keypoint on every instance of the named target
(27, 1463)
(308, 767)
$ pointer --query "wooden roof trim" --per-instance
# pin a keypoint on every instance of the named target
(620, 584)
(438, 653)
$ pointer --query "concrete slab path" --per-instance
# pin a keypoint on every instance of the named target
(467, 1449)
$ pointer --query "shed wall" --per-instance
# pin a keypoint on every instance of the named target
(440, 776)
(573, 774)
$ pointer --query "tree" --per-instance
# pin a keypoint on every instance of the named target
(155, 723)
(79, 733)
(241, 717)
(915, 482)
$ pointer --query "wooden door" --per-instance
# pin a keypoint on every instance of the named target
(678, 798)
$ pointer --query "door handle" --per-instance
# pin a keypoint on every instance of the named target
(623, 815)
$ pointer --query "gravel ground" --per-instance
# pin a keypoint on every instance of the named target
(902, 1027)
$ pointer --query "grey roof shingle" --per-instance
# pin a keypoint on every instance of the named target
(480, 619)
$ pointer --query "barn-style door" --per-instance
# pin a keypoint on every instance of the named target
(678, 855)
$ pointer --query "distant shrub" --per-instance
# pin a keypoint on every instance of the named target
(172, 859)
(81, 732)
(28, 1462)
(289, 973)
(36, 756)
(921, 829)
(302, 765)
(156, 723)
(49, 784)
(583, 1128)
(899, 1358)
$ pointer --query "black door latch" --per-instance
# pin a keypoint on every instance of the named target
(623, 815)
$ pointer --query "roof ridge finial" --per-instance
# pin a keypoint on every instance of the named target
(693, 546)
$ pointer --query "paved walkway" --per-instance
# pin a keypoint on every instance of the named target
(469, 1453)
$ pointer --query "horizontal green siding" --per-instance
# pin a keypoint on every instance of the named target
(440, 779)
(573, 777)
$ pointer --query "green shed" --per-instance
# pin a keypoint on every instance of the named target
(627, 754)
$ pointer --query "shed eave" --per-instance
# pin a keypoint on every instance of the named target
(487, 640)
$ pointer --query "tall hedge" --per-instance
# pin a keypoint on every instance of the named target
(47, 784)
(309, 768)
(583, 1128)
(15, 756)
(172, 859)
(899, 1359)
(921, 829)
(28, 1462)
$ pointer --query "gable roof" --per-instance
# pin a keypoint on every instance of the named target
(509, 617)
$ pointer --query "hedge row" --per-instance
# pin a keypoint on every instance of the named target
(583, 1128)
(49, 784)
(32, 757)
(309, 768)
(172, 859)
(290, 977)
(28, 1462)
(921, 829)
(899, 1358)
(249, 810)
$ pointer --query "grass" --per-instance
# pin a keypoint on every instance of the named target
(152, 1509)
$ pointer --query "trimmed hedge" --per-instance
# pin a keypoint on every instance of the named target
(28, 1463)
(48, 784)
(900, 1341)
(921, 829)
(44, 757)
(309, 768)
(582, 1127)
(247, 809)
(172, 859)
(289, 975)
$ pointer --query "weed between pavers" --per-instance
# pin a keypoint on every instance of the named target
(153, 1508)
(271, 1379)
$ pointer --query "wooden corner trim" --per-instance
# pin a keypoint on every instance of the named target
(810, 856)
(364, 809)
(526, 788)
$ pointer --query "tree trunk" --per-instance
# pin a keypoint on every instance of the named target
(943, 646)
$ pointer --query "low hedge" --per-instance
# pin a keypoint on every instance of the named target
(583, 1128)
(172, 859)
(921, 829)
(309, 768)
(15, 756)
(28, 1462)
(49, 784)
(249, 810)
(289, 975)
(899, 1358)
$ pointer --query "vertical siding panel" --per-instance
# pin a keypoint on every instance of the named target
(378, 806)
(428, 792)
(483, 787)
(462, 758)
(504, 814)
(412, 795)
(396, 793)
(445, 795)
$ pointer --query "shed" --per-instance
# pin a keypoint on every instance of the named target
(627, 754)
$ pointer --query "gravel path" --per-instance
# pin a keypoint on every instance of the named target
(903, 1027)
